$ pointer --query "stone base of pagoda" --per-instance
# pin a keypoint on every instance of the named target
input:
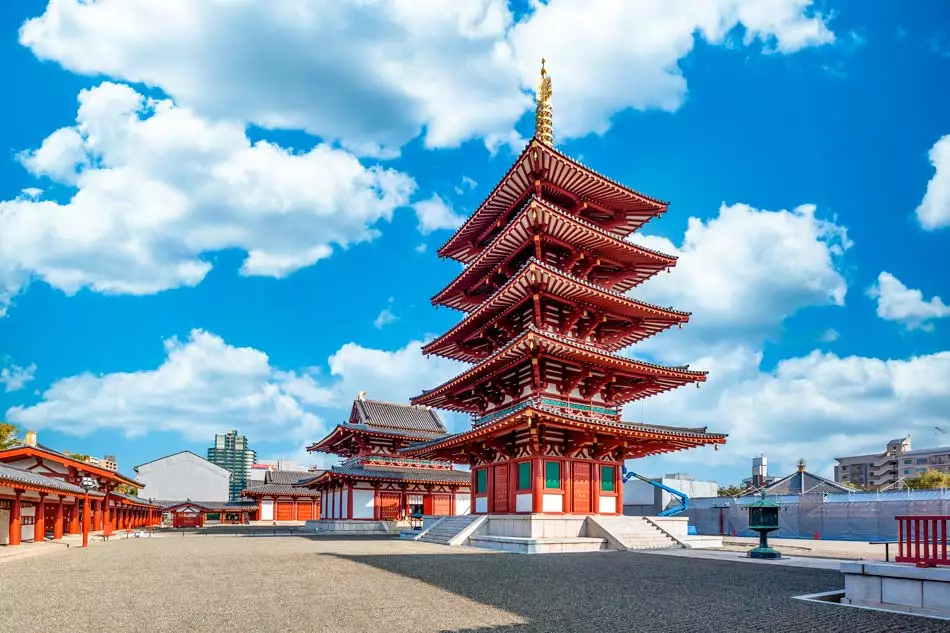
(353, 527)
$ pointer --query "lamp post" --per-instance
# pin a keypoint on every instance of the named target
(87, 484)
(763, 518)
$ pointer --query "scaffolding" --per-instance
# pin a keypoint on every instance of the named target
(848, 516)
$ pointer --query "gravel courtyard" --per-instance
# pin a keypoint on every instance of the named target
(296, 584)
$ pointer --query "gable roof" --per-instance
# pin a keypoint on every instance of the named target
(10, 475)
(287, 477)
(803, 482)
(192, 453)
(24, 448)
(387, 415)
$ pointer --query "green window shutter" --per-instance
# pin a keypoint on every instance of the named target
(524, 475)
(481, 480)
(552, 475)
(607, 478)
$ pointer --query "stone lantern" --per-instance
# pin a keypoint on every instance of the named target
(763, 518)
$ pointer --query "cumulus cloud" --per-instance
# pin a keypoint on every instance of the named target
(934, 210)
(745, 270)
(157, 187)
(907, 306)
(385, 71)
(434, 214)
(203, 386)
(13, 377)
(385, 316)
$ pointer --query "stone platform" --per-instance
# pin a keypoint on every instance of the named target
(355, 528)
(898, 587)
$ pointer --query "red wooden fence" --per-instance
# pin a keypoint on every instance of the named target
(922, 540)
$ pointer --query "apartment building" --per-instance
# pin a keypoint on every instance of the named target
(888, 469)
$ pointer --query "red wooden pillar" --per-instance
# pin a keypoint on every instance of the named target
(15, 528)
(86, 520)
(595, 488)
(39, 521)
(106, 518)
(260, 508)
(74, 518)
(537, 496)
(96, 515)
(58, 521)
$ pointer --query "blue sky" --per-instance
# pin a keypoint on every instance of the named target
(237, 228)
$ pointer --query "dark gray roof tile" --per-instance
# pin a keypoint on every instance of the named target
(397, 416)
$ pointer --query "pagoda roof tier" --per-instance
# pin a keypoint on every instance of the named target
(352, 439)
(634, 439)
(634, 264)
(518, 363)
(402, 475)
(544, 170)
(539, 277)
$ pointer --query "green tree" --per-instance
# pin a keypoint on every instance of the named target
(79, 457)
(126, 489)
(8, 436)
(928, 480)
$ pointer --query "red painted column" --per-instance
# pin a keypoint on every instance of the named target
(260, 508)
(106, 518)
(349, 501)
(74, 518)
(15, 528)
(39, 521)
(537, 497)
(58, 521)
(86, 520)
(96, 515)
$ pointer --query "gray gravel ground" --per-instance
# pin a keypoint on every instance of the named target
(290, 584)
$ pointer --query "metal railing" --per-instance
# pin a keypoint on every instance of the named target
(922, 540)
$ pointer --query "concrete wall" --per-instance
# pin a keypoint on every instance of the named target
(184, 476)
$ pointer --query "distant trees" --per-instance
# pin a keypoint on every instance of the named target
(8, 436)
(79, 457)
(928, 480)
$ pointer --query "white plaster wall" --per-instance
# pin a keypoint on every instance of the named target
(5, 527)
(607, 504)
(552, 503)
(184, 476)
(362, 504)
(267, 510)
(481, 504)
(27, 530)
(344, 508)
(523, 502)
(463, 503)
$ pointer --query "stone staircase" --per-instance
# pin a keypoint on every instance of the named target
(632, 533)
(448, 528)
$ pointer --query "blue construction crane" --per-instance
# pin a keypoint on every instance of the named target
(680, 496)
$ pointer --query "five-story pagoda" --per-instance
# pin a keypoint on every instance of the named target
(546, 268)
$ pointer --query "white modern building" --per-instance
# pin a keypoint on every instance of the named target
(890, 468)
(643, 499)
(184, 475)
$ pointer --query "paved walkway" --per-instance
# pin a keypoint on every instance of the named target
(290, 584)
(845, 550)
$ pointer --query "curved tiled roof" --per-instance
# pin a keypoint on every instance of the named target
(388, 415)
(10, 475)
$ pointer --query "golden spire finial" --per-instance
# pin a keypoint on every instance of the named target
(543, 121)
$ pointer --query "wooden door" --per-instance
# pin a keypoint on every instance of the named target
(441, 505)
(285, 511)
(49, 517)
(304, 509)
(500, 489)
(389, 505)
(582, 486)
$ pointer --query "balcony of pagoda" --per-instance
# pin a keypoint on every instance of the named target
(566, 243)
(543, 364)
(545, 172)
(550, 300)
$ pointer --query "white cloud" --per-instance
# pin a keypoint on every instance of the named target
(204, 386)
(830, 336)
(934, 210)
(14, 377)
(434, 214)
(467, 185)
(421, 248)
(386, 70)
(385, 316)
(157, 187)
(744, 271)
(897, 302)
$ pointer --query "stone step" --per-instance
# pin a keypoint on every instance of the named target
(542, 545)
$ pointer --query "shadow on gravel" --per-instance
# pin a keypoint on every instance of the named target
(629, 592)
